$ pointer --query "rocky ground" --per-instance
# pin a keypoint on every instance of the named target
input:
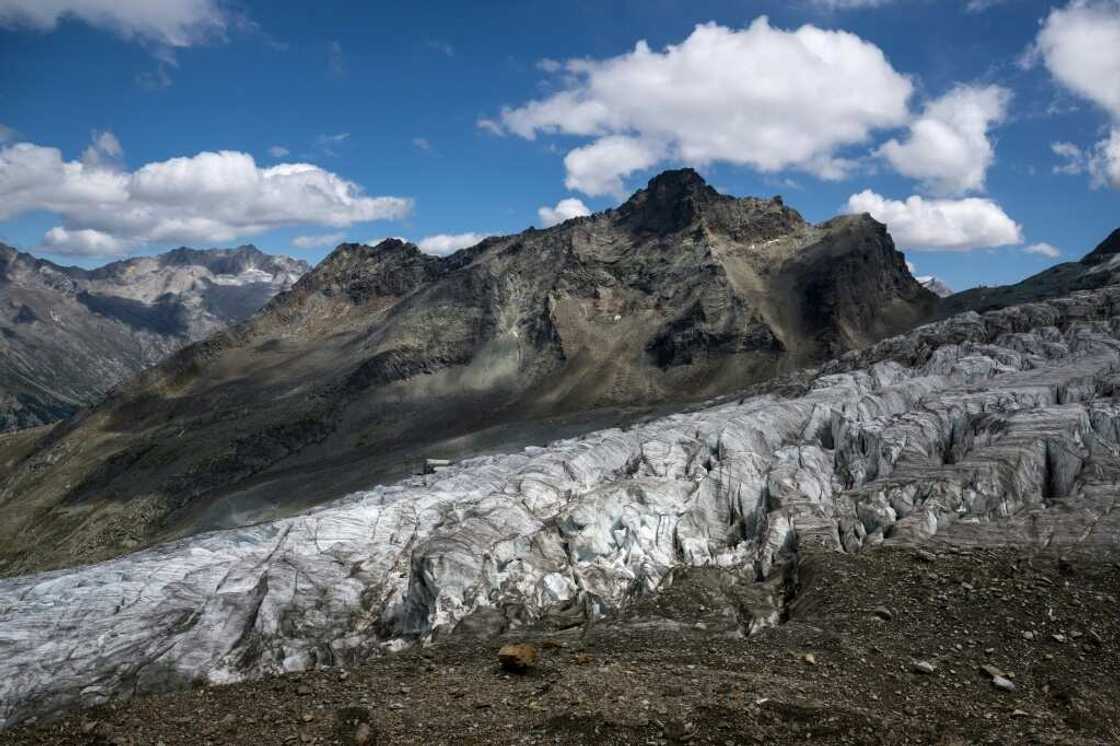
(890, 645)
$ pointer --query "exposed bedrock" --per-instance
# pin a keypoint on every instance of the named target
(981, 429)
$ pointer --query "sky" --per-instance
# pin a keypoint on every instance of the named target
(985, 133)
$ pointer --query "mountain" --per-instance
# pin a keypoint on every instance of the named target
(935, 286)
(68, 335)
(382, 355)
(1097, 269)
(958, 482)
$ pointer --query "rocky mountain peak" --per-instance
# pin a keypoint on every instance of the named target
(360, 271)
(671, 201)
(1105, 250)
(679, 200)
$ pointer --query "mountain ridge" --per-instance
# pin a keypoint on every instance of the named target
(70, 334)
(381, 354)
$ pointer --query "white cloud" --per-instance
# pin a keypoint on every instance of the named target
(1104, 165)
(759, 96)
(1073, 156)
(565, 209)
(85, 242)
(443, 244)
(1080, 46)
(173, 23)
(490, 126)
(318, 240)
(335, 139)
(1043, 249)
(212, 197)
(599, 168)
(278, 151)
(1101, 161)
(940, 224)
(948, 149)
(6, 133)
(104, 150)
(421, 143)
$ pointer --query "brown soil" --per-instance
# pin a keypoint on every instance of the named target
(674, 668)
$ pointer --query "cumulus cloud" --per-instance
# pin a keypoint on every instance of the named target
(759, 96)
(922, 224)
(172, 23)
(318, 240)
(211, 197)
(1043, 249)
(6, 133)
(948, 150)
(1100, 161)
(599, 168)
(104, 150)
(278, 151)
(1080, 46)
(565, 209)
(1105, 162)
(84, 242)
(1072, 156)
(443, 244)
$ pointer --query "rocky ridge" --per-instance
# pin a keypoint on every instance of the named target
(68, 335)
(982, 430)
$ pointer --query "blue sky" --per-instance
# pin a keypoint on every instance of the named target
(386, 100)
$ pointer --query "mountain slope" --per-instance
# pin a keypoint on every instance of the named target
(383, 352)
(1098, 268)
(68, 335)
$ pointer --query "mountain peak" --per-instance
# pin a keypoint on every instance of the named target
(1105, 250)
(670, 202)
(676, 179)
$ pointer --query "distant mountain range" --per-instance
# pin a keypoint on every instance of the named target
(68, 335)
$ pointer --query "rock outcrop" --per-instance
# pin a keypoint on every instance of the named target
(383, 355)
(993, 429)
(68, 335)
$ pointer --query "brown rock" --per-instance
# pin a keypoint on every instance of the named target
(517, 657)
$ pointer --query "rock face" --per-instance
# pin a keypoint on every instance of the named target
(993, 429)
(68, 335)
(678, 294)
